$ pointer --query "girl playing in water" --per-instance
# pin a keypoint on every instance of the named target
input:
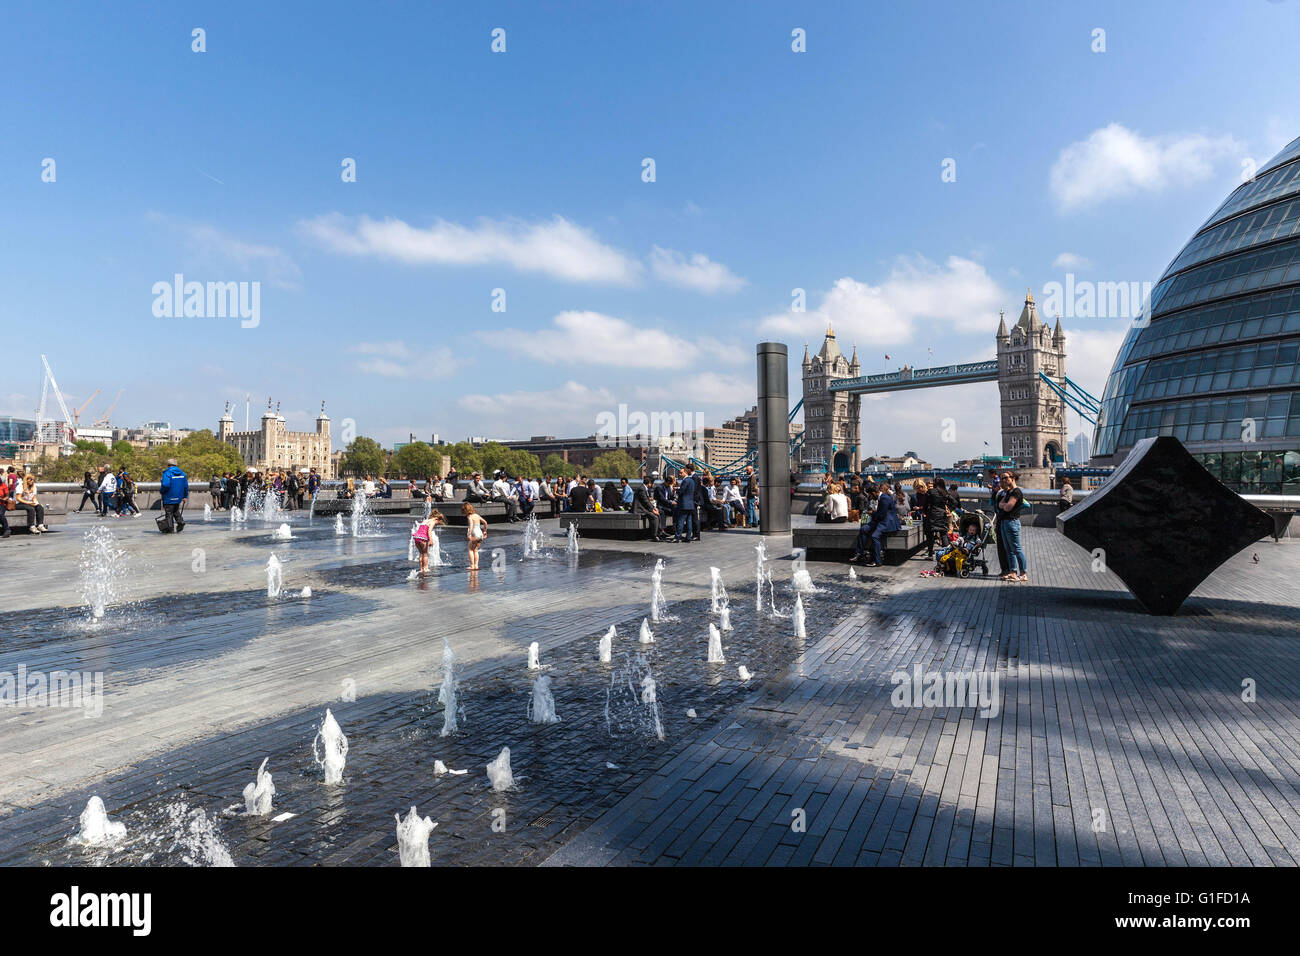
(475, 533)
(423, 536)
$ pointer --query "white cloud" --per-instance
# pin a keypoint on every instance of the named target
(698, 272)
(596, 339)
(1115, 161)
(396, 359)
(1071, 260)
(557, 248)
(221, 249)
(736, 393)
(18, 405)
(568, 410)
(959, 295)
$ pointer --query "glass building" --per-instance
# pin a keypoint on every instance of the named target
(1215, 358)
(16, 429)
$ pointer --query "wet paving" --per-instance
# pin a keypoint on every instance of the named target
(185, 806)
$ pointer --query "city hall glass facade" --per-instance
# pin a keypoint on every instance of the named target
(1215, 360)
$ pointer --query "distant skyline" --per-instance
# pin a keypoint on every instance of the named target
(907, 176)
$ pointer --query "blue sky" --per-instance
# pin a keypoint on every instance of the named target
(522, 171)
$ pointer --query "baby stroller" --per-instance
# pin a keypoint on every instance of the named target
(967, 553)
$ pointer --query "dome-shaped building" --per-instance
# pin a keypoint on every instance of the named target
(1215, 359)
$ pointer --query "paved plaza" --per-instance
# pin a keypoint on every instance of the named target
(1117, 737)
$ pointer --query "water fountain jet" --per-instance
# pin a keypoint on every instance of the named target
(259, 793)
(499, 773)
(274, 577)
(413, 838)
(330, 749)
(541, 703)
(96, 827)
(715, 645)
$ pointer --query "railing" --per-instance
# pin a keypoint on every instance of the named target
(917, 377)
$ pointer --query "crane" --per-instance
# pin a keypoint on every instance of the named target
(48, 431)
(103, 420)
(76, 415)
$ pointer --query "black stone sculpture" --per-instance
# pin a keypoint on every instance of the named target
(1163, 523)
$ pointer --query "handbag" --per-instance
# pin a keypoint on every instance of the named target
(164, 523)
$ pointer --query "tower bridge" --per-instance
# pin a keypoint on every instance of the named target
(1029, 369)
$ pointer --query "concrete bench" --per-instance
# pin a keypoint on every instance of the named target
(835, 542)
(54, 515)
(622, 525)
(379, 506)
(493, 512)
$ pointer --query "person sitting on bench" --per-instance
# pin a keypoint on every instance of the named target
(883, 519)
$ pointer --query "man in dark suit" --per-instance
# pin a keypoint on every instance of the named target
(884, 519)
(687, 489)
(663, 496)
(644, 505)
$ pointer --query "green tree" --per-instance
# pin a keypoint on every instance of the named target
(201, 455)
(465, 457)
(524, 464)
(615, 464)
(494, 455)
(417, 460)
(363, 456)
(558, 467)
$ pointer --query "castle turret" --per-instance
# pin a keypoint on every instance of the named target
(831, 419)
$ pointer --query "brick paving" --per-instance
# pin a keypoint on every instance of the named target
(1120, 739)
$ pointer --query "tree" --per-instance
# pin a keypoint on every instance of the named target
(200, 455)
(524, 464)
(615, 464)
(465, 458)
(418, 460)
(494, 455)
(557, 467)
(363, 456)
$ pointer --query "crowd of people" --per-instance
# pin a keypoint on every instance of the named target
(877, 507)
(678, 507)
(292, 489)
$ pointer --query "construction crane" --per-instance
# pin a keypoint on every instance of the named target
(76, 414)
(50, 431)
(103, 420)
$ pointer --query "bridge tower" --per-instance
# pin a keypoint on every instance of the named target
(832, 420)
(1033, 416)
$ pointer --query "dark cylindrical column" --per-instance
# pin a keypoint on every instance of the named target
(773, 438)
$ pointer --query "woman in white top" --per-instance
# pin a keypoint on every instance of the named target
(837, 504)
(25, 498)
